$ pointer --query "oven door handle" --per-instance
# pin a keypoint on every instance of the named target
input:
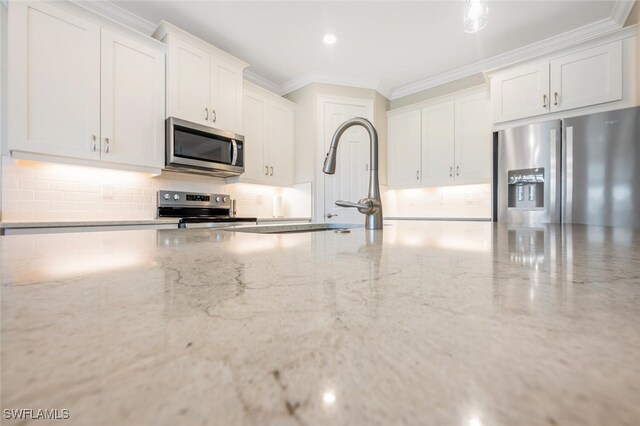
(234, 158)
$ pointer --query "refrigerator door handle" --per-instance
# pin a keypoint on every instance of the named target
(567, 208)
(553, 178)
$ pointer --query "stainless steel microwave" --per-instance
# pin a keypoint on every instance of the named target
(195, 148)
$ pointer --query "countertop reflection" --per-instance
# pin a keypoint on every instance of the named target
(466, 323)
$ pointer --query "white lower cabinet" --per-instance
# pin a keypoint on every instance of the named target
(81, 93)
(269, 133)
(443, 143)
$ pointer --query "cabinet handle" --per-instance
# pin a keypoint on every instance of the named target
(555, 96)
(417, 174)
(266, 170)
(451, 171)
(544, 100)
(271, 171)
(457, 170)
(215, 116)
(107, 148)
(93, 143)
(206, 114)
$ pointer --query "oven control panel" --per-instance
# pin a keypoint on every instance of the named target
(193, 199)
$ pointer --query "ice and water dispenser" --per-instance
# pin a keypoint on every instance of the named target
(526, 188)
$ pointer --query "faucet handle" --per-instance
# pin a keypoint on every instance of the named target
(364, 206)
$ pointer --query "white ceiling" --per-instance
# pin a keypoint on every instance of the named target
(385, 45)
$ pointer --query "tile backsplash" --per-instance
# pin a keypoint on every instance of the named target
(34, 191)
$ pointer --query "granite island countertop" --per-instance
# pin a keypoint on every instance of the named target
(467, 323)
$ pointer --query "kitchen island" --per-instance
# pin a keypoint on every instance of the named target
(462, 323)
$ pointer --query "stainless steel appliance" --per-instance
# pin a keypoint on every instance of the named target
(589, 176)
(195, 148)
(197, 210)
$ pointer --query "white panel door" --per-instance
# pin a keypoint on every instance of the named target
(132, 118)
(256, 112)
(438, 142)
(350, 182)
(54, 83)
(473, 136)
(281, 144)
(590, 77)
(404, 148)
(188, 80)
(523, 92)
(226, 96)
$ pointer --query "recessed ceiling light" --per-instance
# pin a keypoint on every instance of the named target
(329, 39)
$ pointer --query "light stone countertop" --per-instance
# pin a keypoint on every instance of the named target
(443, 323)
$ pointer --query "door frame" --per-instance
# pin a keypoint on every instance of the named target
(319, 195)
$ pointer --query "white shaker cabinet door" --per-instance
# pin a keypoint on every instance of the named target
(226, 96)
(520, 93)
(438, 142)
(589, 77)
(404, 147)
(132, 97)
(256, 112)
(473, 140)
(188, 80)
(281, 144)
(54, 82)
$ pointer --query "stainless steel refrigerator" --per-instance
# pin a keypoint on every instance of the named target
(578, 170)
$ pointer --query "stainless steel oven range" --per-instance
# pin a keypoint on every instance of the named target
(198, 210)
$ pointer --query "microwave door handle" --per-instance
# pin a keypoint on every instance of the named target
(234, 158)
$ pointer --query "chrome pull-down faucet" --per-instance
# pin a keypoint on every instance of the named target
(371, 206)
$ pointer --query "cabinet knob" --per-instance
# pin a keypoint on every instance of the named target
(206, 114)
(215, 116)
(266, 170)
(555, 98)
(544, 101)
(271, 171)
(451, 171)
(107, 148)
(417, 174)
(93, 142)
(457, 170)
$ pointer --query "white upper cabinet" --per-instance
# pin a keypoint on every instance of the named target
(132, 97)
(54, 82)
(443, 143)
(204, 83)
(438, 144)
(82, 93)
(226, 96)
(404, 146)
(473, 138)
(269, 138)
(188, 83)
(589, 77)
(523, 92)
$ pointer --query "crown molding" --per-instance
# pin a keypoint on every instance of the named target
(262, 82)
(621, 11)
(336, 79)
(116, 13)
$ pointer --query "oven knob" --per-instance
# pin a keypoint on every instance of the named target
(176, 197)
(218, 199)
(166, 196)
(225, 199)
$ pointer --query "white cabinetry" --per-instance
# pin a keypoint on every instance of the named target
(268, 138)
(204, 84)
(587, 77)
(80, 96)
(404, 147)
(442, 143)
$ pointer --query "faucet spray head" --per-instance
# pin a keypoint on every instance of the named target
(330, 161)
